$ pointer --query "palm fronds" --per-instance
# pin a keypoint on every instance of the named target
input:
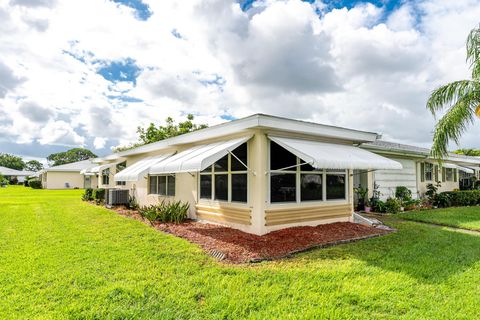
(473, 52)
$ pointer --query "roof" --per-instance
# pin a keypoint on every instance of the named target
(262, 121)
(72, 167)
(405, 149)
(12, 172)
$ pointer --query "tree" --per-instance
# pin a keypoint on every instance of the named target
(33, 165)
(468, 152)
(153, 133)
(11, 161)
(72, 155)
(462, 99)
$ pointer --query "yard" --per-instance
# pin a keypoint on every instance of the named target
(62, 258)
(460, 217)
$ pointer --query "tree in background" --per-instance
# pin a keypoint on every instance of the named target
(468, 152)
(33, 165)
(11, 161)
(153, 133)
(462, 99)
(72, 155)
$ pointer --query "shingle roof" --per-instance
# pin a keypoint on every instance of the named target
(75, 166)
(12, 172)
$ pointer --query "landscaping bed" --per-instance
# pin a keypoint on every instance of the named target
(237, 246)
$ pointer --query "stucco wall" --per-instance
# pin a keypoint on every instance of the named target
(445, 186)
(57, 180)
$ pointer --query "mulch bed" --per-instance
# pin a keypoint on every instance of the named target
(240, 247)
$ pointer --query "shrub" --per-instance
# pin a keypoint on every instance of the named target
(378, 206)
(411, 204)
(132, 203)
(176, 212)
(35, 184)
(403, 193)
(88, 195)
(431, 191)
(25, 183)
(98, 195)
(442, 200)
(463, 198)
(392, 205)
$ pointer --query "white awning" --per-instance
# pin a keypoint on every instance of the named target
(98, 169)
(197, 158)
(139, 169)
(321, 155)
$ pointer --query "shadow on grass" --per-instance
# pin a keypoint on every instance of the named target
(427, 253)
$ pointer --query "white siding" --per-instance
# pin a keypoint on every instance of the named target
(388, 180)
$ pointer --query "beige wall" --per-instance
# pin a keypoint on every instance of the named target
(57, 180)
(445, 186)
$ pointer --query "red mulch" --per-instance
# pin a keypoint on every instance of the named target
(240, 247)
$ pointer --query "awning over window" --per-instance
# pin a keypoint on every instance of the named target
(98, 169)
(454, 166)
(139, 169)
(321, 155)
(197, 158)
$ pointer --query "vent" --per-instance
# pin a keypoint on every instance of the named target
(117, 197)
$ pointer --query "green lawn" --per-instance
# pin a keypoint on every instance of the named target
(64, 259)
(461, 217)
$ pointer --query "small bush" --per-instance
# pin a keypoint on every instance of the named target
(98, 195)
(392, 205)
(378, 206)
(35, 184)
(88, 195)
(403, 193)
(411, 204)
(442, 200)
(463, 198)
(176, 212)
(132, 203)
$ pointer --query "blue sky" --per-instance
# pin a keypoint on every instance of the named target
(89, 73)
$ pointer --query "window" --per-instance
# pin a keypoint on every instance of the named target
(291, 180)
(121, 166)
(449, 174)
(428, 171)
(227, 179)
(163, 185)
(121, 183)
(106, 177)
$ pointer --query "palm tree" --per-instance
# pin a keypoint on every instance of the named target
(462, 100)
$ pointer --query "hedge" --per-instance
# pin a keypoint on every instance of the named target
(98, 194)
(35, 184)
(463, 198)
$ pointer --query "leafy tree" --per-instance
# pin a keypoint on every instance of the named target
(153, 133)
(72, 155)
(11, 161)
(468, 152)
(33, 165)
(462, 99)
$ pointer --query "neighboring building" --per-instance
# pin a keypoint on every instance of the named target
(257, 174)
(68, 176)
(419, 170)
(17, 174)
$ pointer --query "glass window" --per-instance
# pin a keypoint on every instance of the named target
(283, 187)
(335, 186)
(207, 169)
(239, 187)
(106, 176)
(121, 183)
(281, 158)
(171, 186)
(162, 185)
(311, 187)
(222, 164)
(449, 174)
(240, 153)
(221, 187)
(205, 186)
(153, 185)
(428, 171)
(121, 166)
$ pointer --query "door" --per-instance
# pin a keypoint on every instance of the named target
(87, 182)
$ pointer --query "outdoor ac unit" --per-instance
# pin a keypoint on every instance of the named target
(117, 197)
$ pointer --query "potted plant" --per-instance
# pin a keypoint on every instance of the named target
(368, 208)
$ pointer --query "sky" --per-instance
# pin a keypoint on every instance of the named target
(88, 73)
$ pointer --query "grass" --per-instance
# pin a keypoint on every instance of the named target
(61, 258)
(459, 217)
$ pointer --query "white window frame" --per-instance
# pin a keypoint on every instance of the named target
(431, 166)
(229, 173)
(297, 170)
(107, 175)
(449, 174)
(167, 181)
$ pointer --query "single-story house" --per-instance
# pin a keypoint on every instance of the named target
(68, 176)
(419, 170)
(257, 174)
(20, 175)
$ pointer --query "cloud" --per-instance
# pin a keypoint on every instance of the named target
(99, 143)
(35, 112)
(33, 3)
(61, 133)
(8, 80)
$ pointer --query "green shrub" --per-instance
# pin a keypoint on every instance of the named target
(463, 198)
(98, 195)
(442, 200)
(378, 206)
(403, 193)
(411, 204)
(88, 195)
(392, 205)
(35, 184)
(175, 211)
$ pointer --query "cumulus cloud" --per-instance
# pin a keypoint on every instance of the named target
(67, 77)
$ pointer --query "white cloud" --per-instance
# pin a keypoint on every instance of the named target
(360, 67)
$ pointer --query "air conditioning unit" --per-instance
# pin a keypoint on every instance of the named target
(117, 197)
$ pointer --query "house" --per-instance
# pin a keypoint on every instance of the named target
(68, 176)
(11, 174)
(257, 174)
(419, 170)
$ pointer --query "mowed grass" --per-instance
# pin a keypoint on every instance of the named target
(459, 217)
(61, 258)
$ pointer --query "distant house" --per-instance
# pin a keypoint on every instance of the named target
(68, 176)
(17, 174)
(419, 170)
